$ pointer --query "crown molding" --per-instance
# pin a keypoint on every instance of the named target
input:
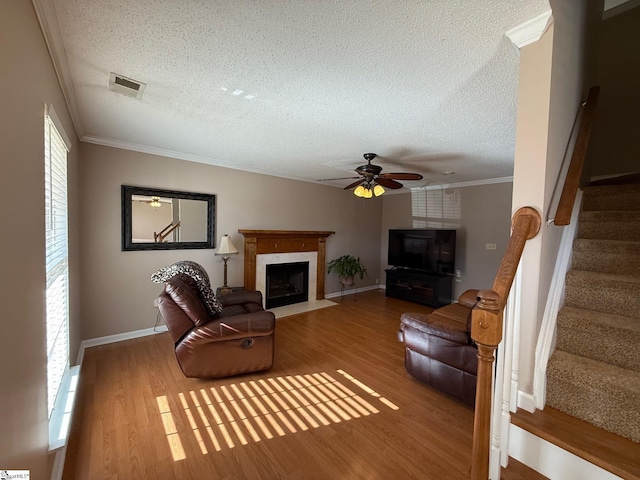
(48, 19)
(163, 152)
(471, 183)
(530, 31)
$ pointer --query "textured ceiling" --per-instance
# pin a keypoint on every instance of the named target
(430, 86)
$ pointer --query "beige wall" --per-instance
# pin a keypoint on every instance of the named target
(29, 82)
(552, 85)
(614, 146)
(116, 291)
(486, 218)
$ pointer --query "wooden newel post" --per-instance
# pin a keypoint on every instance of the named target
(486, 330)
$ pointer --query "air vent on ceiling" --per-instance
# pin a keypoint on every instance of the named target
(126, 86)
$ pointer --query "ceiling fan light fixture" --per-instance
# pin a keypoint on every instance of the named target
(368, 193)
(155, 202)
(378, 190)
(359, 191)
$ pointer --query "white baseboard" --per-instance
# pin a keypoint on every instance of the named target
(550, 460)
(119, 337)
(526, 401)
(349, 291)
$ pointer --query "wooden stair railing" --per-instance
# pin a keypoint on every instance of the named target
(486, 331)
(574, 173)
(165, 232)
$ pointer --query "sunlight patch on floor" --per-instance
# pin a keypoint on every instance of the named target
(262, 409)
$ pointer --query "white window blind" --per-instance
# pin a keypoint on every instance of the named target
(57, 269)
(441, 208)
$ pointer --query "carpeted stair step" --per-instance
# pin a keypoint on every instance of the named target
(604, 337)
(603, 292)
(610, 225)
(611, 197)
(607, 256)
(603, 395)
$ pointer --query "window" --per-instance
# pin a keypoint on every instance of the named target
(57, 268)
(436, 208)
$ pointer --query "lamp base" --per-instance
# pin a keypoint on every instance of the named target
(224, 290)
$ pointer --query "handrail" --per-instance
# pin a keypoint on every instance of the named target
(574, 174)
(486, 331)
(165, 232)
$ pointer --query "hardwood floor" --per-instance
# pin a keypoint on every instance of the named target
(338, 404)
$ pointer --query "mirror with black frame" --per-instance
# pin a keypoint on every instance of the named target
(155, 219)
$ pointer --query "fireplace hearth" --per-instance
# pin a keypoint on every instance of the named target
(286, 284)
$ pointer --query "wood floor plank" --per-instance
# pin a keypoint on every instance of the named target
(141, 418)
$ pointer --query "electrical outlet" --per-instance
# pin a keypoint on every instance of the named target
(458, 276)
(491, 246)
(377, 281)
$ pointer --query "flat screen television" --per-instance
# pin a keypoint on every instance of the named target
(429, 250)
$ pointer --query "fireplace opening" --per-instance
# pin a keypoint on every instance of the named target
(287, 283)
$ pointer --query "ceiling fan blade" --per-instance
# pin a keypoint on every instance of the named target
(386, 182)
(354, 184)
(332, 179)
(401, 176)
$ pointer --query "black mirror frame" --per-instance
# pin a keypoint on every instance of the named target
(127, 241)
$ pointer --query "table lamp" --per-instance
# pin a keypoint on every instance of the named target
(226, 249)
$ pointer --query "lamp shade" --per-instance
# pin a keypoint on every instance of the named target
(359, 191)
(226, 246)
(378, 190)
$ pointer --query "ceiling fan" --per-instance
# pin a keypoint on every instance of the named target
(371, 182)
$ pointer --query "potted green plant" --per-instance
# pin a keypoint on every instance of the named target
(347, 267)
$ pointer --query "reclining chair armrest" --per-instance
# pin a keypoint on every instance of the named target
(241, 297)
(433, 324)
(256, 324)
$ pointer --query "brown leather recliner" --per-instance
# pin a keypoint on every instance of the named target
(439, 350)
(239, 339)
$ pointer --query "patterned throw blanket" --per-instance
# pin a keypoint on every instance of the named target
(199, 275)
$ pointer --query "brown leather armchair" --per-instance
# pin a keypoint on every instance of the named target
(239, 339)
(439, 350)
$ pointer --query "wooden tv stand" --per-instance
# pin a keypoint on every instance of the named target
(419, 286)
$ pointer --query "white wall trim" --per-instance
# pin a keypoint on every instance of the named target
(58, 464)
(613, 175)
(119, 337)
(163, 152)
(349, 291)
(51, 113)
(555, 300)
(46, 13)
(471, 183)
(530, 31)
(550, 460)
(526, 401)
(61, 418)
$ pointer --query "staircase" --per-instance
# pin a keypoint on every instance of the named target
(594, 372)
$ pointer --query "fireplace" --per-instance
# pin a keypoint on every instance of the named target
(286, 284)
(266, 247)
